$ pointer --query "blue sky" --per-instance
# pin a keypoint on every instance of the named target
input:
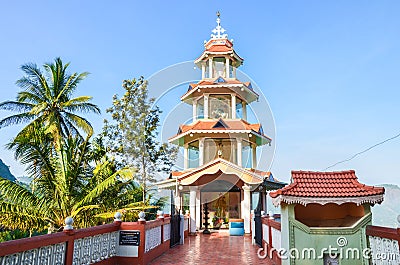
(329, 69)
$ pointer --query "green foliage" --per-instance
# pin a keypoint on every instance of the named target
(71, 176)
(64, 184)
(47, 100)
(16, 234)
(132, 134)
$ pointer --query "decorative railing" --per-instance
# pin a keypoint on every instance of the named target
(93, 249)
(384, 245)
(153, 238)
(116, 243)
(167, 232)
(52, 255)
(271, 236)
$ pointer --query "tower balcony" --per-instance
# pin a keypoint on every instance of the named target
(233, 140)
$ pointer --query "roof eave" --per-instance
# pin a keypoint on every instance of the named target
(370, 199)
(265, 139)
(253, 94)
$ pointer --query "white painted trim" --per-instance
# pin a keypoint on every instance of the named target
(201, 151)
(185, 156)
(239, 151)
(218, 131)
(337, 200)
(233, 106)
(223, 161)
(219, 85)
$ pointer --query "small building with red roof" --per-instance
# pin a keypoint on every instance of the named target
(325, 209)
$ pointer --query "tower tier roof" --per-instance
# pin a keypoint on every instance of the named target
(222, 126)
(221, 85)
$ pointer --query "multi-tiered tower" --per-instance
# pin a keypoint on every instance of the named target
(220, 145)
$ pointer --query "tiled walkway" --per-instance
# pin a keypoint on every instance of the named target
(217, 248)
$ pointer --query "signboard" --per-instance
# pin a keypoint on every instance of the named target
(129, 238)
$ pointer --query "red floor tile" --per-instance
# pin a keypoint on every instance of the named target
(217, 248)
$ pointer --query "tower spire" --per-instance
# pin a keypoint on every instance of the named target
(218, 31)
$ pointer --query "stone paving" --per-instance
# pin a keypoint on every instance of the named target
(217, 248)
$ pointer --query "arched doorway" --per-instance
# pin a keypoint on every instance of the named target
(223, 201)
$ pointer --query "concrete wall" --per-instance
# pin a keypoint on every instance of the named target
(346, 241)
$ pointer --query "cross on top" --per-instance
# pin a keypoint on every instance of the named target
(219, 31)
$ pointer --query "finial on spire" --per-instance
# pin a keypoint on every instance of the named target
(218, 32)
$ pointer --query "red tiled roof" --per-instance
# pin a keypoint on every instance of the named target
(218, 84)
(326, 185)
(229, 81)
(177, 173)
(230, 125)
(220, 45)
(191, 171)
(219, 48)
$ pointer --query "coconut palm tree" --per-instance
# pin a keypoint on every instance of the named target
(66, 184)
(46, 100)
(70, 182)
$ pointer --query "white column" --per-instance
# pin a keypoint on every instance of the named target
(205, 106)
(233, 99)
(239, 151)
(234, 72)
(254, 149)
(227, 67)
(203, 71)
(244, 111)
(194, 112)
(192, 209)
(185, 156)
(201, 151)
(246, 208)
(182, 230)
(210, 73)
(198, 210)
(177, 200)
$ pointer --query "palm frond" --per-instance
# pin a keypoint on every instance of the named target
(16, 194)
(38, 108)
(121, 175)
(79, 122)
(16, 119)
(16, 217)
(32, 87)
(34, 73)
(26, 96)
(79, 210)
(74, 83)
(16, 106)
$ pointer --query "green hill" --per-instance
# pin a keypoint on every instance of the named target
(385, 214)
(5, 171)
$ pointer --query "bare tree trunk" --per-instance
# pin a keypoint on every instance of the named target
(144, 177)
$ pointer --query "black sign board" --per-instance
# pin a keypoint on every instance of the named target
(129, 238)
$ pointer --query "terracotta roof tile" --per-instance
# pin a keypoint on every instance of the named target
(326, 185)
(219, 48)
(230, 125)
(227, 81)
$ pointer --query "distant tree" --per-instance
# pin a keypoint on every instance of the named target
(132, 134)
(46, 100)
